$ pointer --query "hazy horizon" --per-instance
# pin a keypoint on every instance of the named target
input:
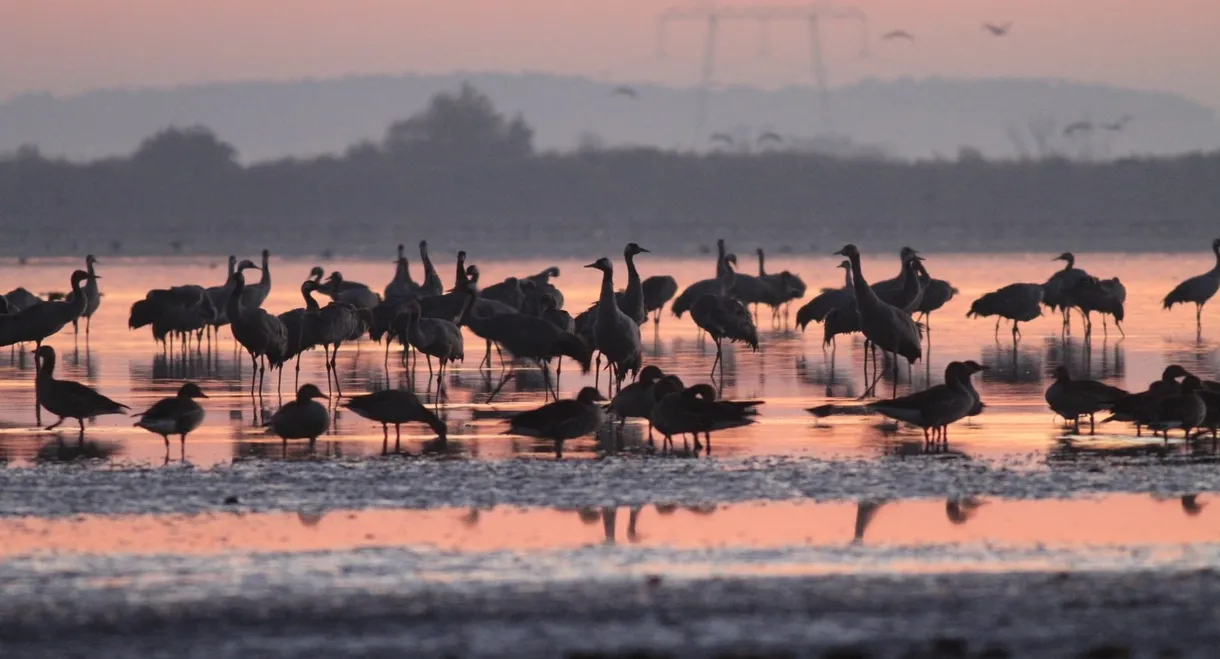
(65, 48)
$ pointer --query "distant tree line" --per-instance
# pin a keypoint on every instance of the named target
(460, 170)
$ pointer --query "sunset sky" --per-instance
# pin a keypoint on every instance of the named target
(66, 46)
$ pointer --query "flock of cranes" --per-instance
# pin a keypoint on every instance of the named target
(524, 317)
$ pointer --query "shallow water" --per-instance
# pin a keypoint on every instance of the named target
(791, 372)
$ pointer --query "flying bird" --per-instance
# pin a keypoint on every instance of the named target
(624, 90)
(770, 136)
(998, 30)
(1118, 125)
(1078, 127)
(898, 34)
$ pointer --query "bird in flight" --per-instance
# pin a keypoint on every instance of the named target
(770, 136)
(898, 34)
(1078, 127)
(998, 30)
(624, 90)
(1118, 125)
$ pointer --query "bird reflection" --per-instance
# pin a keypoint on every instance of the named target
(60, 450)
(1191, 504)
(609, 516)
(1092, 361)
(1012, 364)
(865, 512)
(960, 511)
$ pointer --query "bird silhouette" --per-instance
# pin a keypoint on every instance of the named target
(998, 30)
(899, 35)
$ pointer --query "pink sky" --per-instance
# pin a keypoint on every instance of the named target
(66, 46)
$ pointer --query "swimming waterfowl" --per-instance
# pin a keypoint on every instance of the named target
(1072, 399)
(561, 420)
(395, 406)
(176, 415)
(67, 399)
(303, 418)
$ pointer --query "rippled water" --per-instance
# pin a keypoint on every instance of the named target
(790, 372)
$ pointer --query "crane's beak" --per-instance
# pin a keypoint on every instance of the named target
(839, 253)
(917, 258)
(96, 276)
(591, 265)
(645, 251)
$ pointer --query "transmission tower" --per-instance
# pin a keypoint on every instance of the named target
(813, 16)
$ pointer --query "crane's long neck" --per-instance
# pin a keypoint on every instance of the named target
(460, 279)
(429, 271)
(311, 305)
(606, 300)
(864, 293)
(1216, 251)
(77, 301)
(633, 275)
(1070, 262)
(762, 267)
(720, 264)
(847, 276)
(233, 307)
(726, 279)
(265, 280)
(46, 366)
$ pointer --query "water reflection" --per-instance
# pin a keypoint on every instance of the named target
(1080, 524)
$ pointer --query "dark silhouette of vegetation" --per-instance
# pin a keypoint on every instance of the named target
(460, 172)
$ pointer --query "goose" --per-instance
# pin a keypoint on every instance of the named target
(395, 406)
(36, 323)
(884, 325)
(1184, 410)
(1019, 303)
(67, 399)
(176, 415)
(1197, 290)
(931, 410)
(1072, 399)
(695, 410)
(636, 400)
(1138, 407)
(303, 418)
(561, 420)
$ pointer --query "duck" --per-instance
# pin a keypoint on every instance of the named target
(303, 418)
(561, 420)
(1072, 399)
(395, 406)
(176, 415)
(67, 399)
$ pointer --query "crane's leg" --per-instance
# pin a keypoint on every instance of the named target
(597, 371)
(430, 373)
(997, 329)
(1016, 333)
(253, 373)
(326, 362)
(894, 392)
(1105, 331)
(296, 382)
(334, 367)
(1198, 320)
(1119, 325)
(397, 437)
(558, 372)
